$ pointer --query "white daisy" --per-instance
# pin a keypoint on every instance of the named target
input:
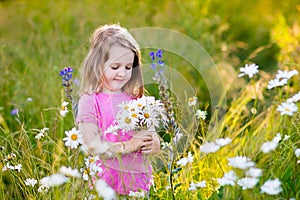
(240, 162)
(104, 190)
(68, 171)
(229, 178)
(249, 70)
(271, 187)
(267, 147)
(137, 194)
(297, 152)
(64, 110)
(254, 172)
(201, 184)
(184, 161)
(18, 167)
(247, 183)
(201, 114)
(209, 147)
(30, 182)
(73, 139)
(294, 98)
(192, 101)
(287, 108)
(192, 186)
(286, 74)
(223, 141)
(276, 83)
(41, 133)
(148, 117)
(53, 180)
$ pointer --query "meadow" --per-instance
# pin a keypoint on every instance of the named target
(232, 72)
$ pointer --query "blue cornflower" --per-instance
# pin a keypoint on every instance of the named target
(152, 55)
(157, 58)
(159, 53)
(66, 71)
(14, 111)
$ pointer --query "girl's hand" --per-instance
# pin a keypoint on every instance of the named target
(138, 140)
(150, 146)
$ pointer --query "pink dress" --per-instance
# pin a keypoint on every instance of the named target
(130, 172)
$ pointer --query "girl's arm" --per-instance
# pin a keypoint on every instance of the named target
(96, 146)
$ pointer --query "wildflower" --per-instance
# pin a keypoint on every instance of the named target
(66, 73)
(286, 137)
(18, 167)
(30, 182)
(14, 111)
(201, 114)
(104, 190)
(73, 139)
(254, 172)
(185, 161)
(142, 113)
(53, 180)
(276, 83)
(209, 147)
(229, 178)
(297, 152)
(29, 99)
(253, 111)
(194, 186)
(41, 133)
(68, 171)
(271, 187)
(287, 108)
(240, 162)
(247, 183)
(223, 141)
(43, 188)
(286, 74)
(177, 137)
(64, 110)
(9, 157)
(268, 146)
(249, 70)
(137, 194)
(294, 98)
(166, 145)
(192, 101)
(7, 167)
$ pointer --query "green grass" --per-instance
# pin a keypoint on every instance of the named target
(38, 39)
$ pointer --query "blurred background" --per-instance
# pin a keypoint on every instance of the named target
(39, 38)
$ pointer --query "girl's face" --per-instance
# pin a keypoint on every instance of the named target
(117, 69)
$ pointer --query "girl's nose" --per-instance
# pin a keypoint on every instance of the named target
(121, 71)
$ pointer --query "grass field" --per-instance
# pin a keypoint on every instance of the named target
(205, 44)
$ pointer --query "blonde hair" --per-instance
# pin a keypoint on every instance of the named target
(101, 41)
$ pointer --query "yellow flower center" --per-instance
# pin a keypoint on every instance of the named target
(139, 105)
(127, 120)
(147, 115)
(134, 115)
(126, 107)
(287, 109)
(74, 137)
(63, 107)
(91, 160)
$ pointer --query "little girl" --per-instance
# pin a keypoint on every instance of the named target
(111, 74)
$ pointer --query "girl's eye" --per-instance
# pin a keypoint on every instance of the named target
(114, 67)
(128, 67)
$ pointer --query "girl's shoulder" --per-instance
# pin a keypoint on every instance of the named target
(87, 99)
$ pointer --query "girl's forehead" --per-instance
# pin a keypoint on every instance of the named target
(118, 52)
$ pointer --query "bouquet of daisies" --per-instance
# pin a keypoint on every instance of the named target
(142, 113)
